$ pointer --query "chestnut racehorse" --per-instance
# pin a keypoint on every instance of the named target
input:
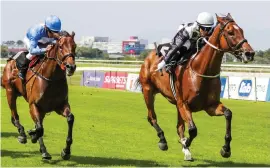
(45, 89)
(197, 83)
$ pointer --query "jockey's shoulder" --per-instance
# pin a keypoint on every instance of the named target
(36, 31)
(188, 26)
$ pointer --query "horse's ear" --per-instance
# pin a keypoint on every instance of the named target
(229, 15)
(73, 34)
(219, 19)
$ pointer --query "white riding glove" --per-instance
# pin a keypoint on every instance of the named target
(161, 65)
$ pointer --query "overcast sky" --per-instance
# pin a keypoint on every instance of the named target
(150, 20)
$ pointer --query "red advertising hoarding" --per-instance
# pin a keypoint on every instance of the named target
(115, 80)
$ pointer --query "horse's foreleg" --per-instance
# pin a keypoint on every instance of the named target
(70, 120)
(187, 116)
(181, 130)
(37, 133)
(152, 118)
(38, 119)
(43, 150)
(11, 98)
(218, 110)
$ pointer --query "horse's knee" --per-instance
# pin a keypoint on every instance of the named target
(228, 114)
(192, 131)
(70, 118)
(69, 141)
(228, 138)
(13, 121)
(39, 130)
(150, 120)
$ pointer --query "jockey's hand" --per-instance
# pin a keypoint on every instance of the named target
(54, 42)
(49, 47)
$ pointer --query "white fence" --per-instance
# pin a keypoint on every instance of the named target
(245, 88)
(133, 66)
(232, 87)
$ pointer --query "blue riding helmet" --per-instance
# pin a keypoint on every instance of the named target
(53, 23)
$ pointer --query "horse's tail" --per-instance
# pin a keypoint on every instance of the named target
(137, 84)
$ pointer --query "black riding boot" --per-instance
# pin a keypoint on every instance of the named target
(23, 67)
(170, 56)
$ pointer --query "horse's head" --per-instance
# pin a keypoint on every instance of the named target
(65, 51)
(232, 39)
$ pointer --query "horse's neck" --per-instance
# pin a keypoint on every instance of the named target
(50, 68)
(208, 61)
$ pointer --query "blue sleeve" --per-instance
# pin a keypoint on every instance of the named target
(34, 48)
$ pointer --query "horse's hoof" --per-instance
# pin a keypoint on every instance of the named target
(22, 139)
(224, 153)
(46, 156)
(163, 146)
(33, 135)
(34, 140)
(64, 155)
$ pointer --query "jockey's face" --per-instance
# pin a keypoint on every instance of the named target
(204, 31)
(50, 33)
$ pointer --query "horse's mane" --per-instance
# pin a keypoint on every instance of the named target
(64, 33)
(227, 18)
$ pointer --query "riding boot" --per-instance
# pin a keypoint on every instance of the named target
(23, 67)
(170, 56)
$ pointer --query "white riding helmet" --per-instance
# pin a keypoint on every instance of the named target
(205, 19)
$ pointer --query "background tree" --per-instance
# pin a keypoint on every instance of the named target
(4, 51)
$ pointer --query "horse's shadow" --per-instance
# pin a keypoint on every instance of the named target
(9, 134)
(107, 162)
(17, 154)
(211, 163)
(86, 160)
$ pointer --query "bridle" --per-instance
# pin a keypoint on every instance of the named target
(61, 62)
(232, 49)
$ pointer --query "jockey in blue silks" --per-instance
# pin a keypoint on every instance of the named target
(39, 33)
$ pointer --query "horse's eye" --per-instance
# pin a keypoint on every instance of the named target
(231, 33)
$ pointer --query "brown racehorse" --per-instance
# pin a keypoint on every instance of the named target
(197, 84)
(45, 89)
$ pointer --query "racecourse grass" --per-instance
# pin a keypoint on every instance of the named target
(111, 129)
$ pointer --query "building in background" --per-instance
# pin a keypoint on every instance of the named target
(132, 46)
(103, 46)
(88, 41)
(114, 48)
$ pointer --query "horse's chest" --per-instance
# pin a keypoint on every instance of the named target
(207, 93)
(52, 96)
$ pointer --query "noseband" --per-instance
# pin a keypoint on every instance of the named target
(57, 55)
(233, 48)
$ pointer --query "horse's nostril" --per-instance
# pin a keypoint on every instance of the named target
(247, 53)
(68, 66)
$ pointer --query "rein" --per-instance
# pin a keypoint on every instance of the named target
(61, 62)
(221, 33)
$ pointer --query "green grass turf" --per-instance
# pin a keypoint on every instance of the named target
(111, 129)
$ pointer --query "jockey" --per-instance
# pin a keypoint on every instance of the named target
(42, 33)
(186, 34)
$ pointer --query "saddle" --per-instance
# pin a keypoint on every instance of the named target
(20, 58)
(181, 56)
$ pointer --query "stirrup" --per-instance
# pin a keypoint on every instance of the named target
(168, 68)
(21, 76)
